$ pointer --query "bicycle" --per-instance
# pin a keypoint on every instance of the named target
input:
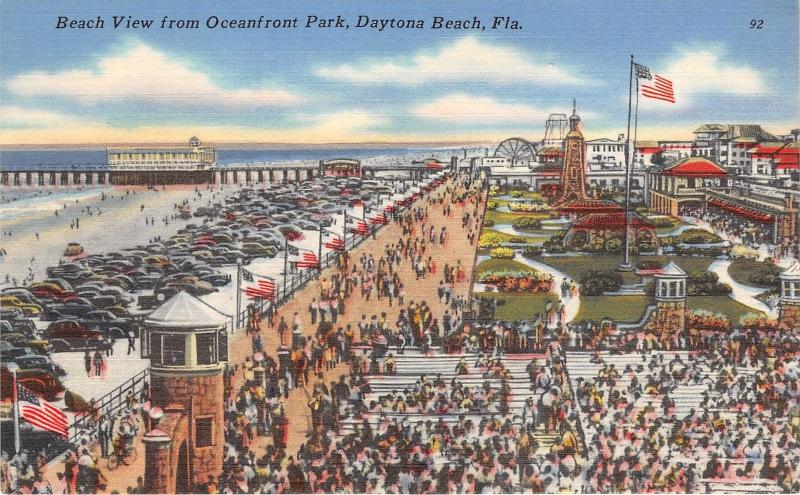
(127, 457)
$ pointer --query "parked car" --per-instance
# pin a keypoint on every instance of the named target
(28, 309)
(40, 382)
(69, 335)
(108, 322)
(35, 361)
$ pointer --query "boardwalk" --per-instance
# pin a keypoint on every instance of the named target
(456, 249)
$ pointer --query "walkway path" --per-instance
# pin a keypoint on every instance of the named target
(572, 304)
(741, 293)
(456, 248)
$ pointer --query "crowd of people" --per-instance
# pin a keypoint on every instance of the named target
(744, 428)
(741, 231)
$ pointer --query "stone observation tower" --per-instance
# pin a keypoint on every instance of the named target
(573, 175)
(186, 341)
(789, 315)
(670, 316)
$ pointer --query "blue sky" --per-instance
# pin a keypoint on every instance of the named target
(358, 85)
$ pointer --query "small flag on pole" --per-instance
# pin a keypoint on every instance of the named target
(378, 219)
(661, 89)
(303, 258)
(332, 240)
(264, 287)
(41, 413)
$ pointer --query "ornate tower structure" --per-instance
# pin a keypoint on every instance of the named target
(187, 343)
(573, 175)
(670, 316)
(789, 313)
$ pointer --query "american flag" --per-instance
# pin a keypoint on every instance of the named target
(41, 413)
(304, 258)
(378, 219)
(642, 72)
(661, 89)
(359, 226)
(264, 287)
(332, 240)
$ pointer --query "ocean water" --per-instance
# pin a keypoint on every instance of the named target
(18, 159)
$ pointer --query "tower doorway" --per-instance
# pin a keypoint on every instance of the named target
(182, 471)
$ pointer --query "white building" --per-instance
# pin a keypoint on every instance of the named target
(192, 157)
(605, 153)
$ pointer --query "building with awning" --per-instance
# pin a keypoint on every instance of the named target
(682, 182)
(700, 182)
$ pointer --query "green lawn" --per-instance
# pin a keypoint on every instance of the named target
(503, 237)
(741, 271)
(578, 266)
(499, 217)
(519, 306)
(721, 304)
(500, 264)
(618, 308)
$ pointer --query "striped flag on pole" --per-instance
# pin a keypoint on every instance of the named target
(304, 258)
(359, 226)
(262, 288)
(378, 219)
(332, 240)
(660, 89)
(41, 413)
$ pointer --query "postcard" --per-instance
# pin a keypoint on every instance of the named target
(399, 247)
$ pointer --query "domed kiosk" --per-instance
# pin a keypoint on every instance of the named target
(186, 341)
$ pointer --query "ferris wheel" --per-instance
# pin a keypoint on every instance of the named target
(517, 150)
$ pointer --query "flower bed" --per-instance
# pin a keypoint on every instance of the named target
(519, 206)
(517, 281)
(706, 320)
(502, 253)
(526, 224)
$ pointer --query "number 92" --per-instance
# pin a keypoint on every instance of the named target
(756, 23)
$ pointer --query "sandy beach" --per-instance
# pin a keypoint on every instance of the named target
(117, 221)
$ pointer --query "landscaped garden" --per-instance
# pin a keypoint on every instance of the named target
(507, 275)
(514, 306)
(524, 293)
(755, 273)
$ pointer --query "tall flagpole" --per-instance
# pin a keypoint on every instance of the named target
(319, 249)
(285, 263)
(626, 264)
(15, 406)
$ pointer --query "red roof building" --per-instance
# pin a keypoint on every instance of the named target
(694, 166)
(597, 228)
(682, 183)
(774, 158)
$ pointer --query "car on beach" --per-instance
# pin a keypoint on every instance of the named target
(35, 361)
(67, 335)
(22, 294)
(108, 322)
(40, 382)
(28, 309)
(48, 291)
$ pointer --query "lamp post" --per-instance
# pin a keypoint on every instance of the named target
(13, 367)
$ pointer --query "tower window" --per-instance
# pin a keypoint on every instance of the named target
(203, 432)
(174, 350)
(206, 349)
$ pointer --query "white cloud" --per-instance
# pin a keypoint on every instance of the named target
(13, 116)
(704, 71)
(143, 73)
(465, 60)
(464, 108)
(23, 126)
